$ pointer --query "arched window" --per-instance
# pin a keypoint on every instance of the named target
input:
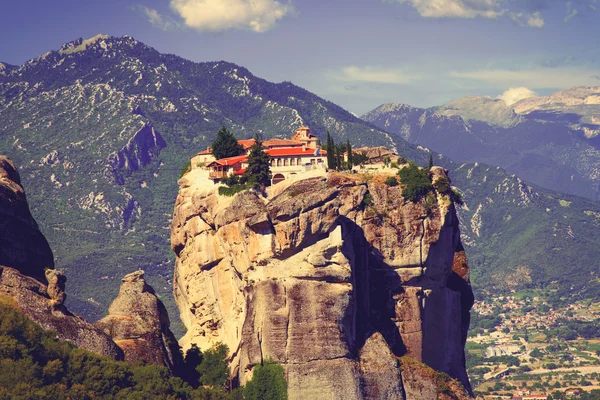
(278, 178)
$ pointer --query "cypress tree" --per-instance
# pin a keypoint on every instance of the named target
(349, 150)
(330, 152)
(339, 159)
(226, 145)
(259, 166)
(430, 160)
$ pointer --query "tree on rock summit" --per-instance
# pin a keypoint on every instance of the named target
(259, 164)
(226, 145)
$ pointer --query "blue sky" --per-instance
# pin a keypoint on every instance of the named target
(356, 53)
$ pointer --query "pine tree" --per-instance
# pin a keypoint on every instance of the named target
(430, 161)
(226, 145)
(330, 152)
(259, 169)
(349, 150)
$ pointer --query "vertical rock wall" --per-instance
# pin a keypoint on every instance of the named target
(334, 277)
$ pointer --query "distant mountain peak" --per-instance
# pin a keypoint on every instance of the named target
(387, 107)
(81, 44)
(481, 108)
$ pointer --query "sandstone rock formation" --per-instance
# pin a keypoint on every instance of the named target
(22, 245)
(333, 277)
(24, 255)
(139, 324)
(43, 305)
(376, 154)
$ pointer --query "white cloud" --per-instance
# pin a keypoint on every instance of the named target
(536, 78)
(221, 15)
(525, 13)
(572, 14)
(456, 8)
(156, 19)
(535, 20)
(376, 75)
(513, 95)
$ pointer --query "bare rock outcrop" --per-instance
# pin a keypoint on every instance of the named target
(376, 154)
(22, 245)
(43, 305)
(333, 277)
(139, 324)
(26, 265)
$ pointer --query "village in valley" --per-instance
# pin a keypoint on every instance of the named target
(523, 345)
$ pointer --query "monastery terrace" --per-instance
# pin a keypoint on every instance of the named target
(288, 157)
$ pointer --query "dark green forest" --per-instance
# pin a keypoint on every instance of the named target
(36, 365)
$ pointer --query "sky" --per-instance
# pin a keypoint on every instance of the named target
(356, 53)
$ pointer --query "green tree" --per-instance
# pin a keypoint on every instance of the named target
(189, 372)
(416, 182)
(339, 156)
(430, 164)
(349, 150)
(391, 181)
(267, 383)
(259, 169)
(213, 368)
(330, 152)
(226, 145)
(442, 185)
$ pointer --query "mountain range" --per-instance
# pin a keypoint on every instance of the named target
(102, 127)
(551, 141)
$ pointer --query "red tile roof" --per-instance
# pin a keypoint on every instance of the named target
(281, 142)
(240, 171)
(230, 160)
(292, 151)
(246, 143)
(277, 152)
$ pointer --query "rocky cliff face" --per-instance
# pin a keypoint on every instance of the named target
(24, 255)
(22, 245)
(144, 145)
(334, 277)
(139, 324)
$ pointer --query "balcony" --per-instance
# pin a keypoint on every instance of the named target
(217, 174)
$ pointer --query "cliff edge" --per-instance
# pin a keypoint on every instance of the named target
(27, 274)
(22, 245)
(333, 276)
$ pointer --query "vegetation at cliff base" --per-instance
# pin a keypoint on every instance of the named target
(36, 365)
(416, 182)
(268, 383)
